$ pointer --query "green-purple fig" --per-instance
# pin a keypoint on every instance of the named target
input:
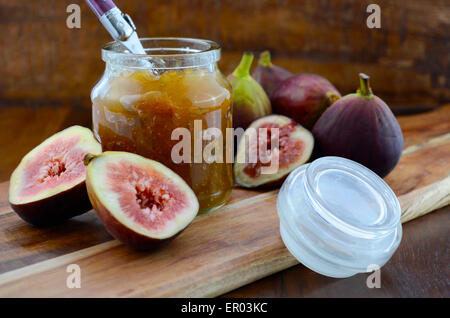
(268, 75)
(304, 98)
(360, 127)
(250, 102)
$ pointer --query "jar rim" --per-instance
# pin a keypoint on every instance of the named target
(164, 53)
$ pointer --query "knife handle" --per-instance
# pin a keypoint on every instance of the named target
(119, 25)
(100, 7)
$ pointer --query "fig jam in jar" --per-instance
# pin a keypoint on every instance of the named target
(142, 99)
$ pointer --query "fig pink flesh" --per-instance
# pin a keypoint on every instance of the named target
(290, 149)
(58, 163)
(145, 195)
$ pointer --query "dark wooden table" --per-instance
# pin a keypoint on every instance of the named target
(420, 267)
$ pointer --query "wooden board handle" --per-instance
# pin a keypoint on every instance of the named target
(425, 200)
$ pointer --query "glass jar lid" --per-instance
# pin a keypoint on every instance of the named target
(352, 197)
(338, 217)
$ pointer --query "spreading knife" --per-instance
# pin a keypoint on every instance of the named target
(118, 24)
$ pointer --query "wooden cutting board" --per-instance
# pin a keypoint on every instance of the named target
(219, 252)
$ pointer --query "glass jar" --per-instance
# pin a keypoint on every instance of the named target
(339, 218)
(141, 100)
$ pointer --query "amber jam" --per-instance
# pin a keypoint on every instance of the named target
(137, 110)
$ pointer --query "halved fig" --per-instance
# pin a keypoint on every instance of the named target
(276, 156)
(141, 202)
(48, 186)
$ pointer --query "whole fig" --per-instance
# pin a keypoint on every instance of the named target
(250, 102)
(360, 127)
(269, 76)
(304, 98)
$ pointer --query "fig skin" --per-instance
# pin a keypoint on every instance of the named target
(123, 232)
(361, 127)
(55, 207)
(249, 100)
(268, 75)
(304, 98)
(271, 180)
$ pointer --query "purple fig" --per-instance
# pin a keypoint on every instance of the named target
(304, 98)
(250, 102)
(269, 75)
(360, 127)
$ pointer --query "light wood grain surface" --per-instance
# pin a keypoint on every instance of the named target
(219, 252)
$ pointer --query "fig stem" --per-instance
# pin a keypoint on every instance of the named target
(365, 89)
(88, 158)
(265, 59)
(244, 66)
(332, 97)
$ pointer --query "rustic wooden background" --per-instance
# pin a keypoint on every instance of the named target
(47, 70)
